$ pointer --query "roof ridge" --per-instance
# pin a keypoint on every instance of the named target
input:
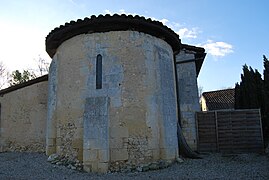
(219, 90)
(100, 16)
(106, 23)
(24, 84)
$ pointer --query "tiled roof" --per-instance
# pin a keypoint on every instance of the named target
(25, 84)
(110, 23)
(221, 99)
(199, 55)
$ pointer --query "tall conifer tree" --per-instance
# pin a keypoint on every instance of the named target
(253, 92)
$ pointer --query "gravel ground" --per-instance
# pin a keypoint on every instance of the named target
(213, 166)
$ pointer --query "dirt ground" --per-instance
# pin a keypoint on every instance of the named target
(14, 165)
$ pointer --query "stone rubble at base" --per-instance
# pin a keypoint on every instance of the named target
(125, 167)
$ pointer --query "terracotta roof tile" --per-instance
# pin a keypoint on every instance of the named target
(110, 23)
(221, 99)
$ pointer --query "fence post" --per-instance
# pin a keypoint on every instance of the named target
(261, 128)
(217, 132)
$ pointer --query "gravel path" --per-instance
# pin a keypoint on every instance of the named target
(212, 166)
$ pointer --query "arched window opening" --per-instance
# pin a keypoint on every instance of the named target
(99, 72)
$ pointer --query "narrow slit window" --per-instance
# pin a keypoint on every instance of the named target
(99, 72)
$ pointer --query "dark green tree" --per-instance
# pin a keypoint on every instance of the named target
(266, 83)
(265, 109)
(248, 93)
(238, 96)
(253, 93)
(18, 77)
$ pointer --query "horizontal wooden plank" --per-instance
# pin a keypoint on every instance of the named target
(239, 121)
(223, 139)
(207, 145)
(206, 124)
(239, 146)
(208, 148)
(230, 119)
(205, 136)
(242, 133)
(239, 140)
(210, 141)
(231, 130)
(230, 143)
(207, 127)
(205, 131)
(235, 144)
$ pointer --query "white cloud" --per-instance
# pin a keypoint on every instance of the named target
(218, 49)
(108, 12)
(121, 11)
(164, 21)
(185, 33)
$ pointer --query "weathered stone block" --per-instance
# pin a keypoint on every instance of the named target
(171, 141)
(118, 154)
(51, 141)
(59, 141)
(90, 155)
(89, 143)
(96, 123)
(153, 143)
(50, 150)
(116, 132)
(102, 167)
(58, 149)
(103, 156)
(155, 154)
(168, 153)
(116, 143)
(90, 166)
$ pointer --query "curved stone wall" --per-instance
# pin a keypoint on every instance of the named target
(131, 118)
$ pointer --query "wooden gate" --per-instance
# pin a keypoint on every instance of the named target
(230, 131)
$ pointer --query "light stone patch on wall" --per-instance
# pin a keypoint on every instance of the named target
(169, 144)
(95, 139)
(52, 104)
(72, 70)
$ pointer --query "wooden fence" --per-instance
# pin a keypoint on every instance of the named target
(232, 131)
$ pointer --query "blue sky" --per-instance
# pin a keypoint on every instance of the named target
(233, 32)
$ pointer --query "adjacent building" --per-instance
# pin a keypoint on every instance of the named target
(218, 100)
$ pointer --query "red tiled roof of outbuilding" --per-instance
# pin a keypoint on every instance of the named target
(221, 99)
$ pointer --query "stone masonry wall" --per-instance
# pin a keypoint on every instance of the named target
(23, 119)
(137, 100)
(188, 96)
